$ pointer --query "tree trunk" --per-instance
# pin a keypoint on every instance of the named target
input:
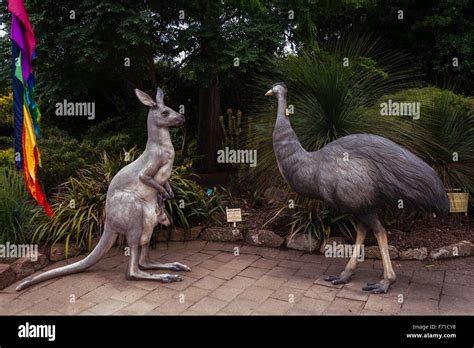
(208, 134)
(209, 92)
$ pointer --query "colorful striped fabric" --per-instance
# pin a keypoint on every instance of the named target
(26, 112)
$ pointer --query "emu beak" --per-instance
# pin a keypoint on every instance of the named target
(269, 93)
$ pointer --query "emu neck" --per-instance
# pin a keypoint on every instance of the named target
(285, 142)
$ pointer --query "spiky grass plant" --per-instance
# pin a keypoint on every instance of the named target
(16, 207)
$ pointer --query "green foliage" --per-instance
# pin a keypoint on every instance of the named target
(62, 154)
(257, 198)
(319, 221)
(6, 111)
(79, 206)
(6, 158)
(191, 204)
(16, 207)
(447, 124)
(231, 128)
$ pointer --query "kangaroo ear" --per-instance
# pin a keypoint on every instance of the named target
(159, 96)
(145, 98)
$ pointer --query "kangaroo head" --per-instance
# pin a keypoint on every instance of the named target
(159, 113)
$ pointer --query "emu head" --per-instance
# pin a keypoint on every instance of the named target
(160, 114)
(277, 89)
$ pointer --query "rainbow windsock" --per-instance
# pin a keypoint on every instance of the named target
(25, 110)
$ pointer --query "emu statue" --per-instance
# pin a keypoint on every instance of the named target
(358, 174)
(134, 204)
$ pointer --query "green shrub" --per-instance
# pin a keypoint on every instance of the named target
(16, 207)
(319, 221)
(7, 159)
(447, 125)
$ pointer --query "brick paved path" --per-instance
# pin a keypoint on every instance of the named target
(258, 281)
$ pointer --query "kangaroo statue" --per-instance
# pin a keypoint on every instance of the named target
(135, 201)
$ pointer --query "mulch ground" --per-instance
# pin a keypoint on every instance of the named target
(404, 233)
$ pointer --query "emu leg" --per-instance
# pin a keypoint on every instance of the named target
(389, 275)
(134, 272)
(145, 263)
(346, 275)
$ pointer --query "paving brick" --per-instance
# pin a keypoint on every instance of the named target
(225, 293)
(255, 293)
(40, 308)
(108, 307)
(455, 305)
(224, 257)
(253, 272)
(290, 295)
(269, 253)
(310, 306)
(100, 294)
(15, 306)
(201, 257)
(242, 261)
(225, 272)
(140, 307)
(320, 292)
(214, 246)
(419, 307)
(459, 279)
(459, 291)
(160, 295)
(239, 307)
(291, 255)
(208, 306)
(424, 290)
(282, 272)
(274, 307)
(312, 258)
(209, 283)
(130, 295)
(381, 304)
(192, 294)
(210, 252)
(172, 306)
(299, 283)
(212, 265)
(270, 282)
(265, 263)
(291, 264)
(312, 270)
(353, 294)
(197, 272)
(249, 249)
(429, 277)
(240, 282)
(344, 306)
(195, 244)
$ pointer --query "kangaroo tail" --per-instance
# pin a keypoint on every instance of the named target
(105, 243)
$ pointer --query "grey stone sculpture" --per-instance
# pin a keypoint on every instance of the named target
(358, 174)
(135, 201)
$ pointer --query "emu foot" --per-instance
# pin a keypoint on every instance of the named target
(173, 266)
(343, 278)
(165, 278)
(378, 288)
